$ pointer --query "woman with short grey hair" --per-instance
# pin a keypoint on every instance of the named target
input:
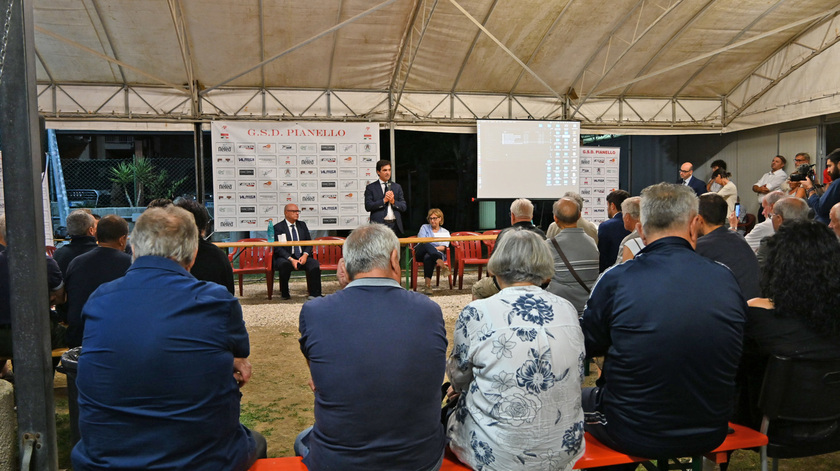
(517, 367)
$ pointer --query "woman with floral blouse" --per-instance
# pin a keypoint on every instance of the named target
(517, 368)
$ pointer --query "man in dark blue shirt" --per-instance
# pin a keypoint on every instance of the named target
(669, 323)
(728, 247)
(377, 356)
(163, 359)
(611, 232)
(81, 228)
(88, 271)
(55, 283)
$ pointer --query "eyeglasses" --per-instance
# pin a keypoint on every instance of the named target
(292, 210)
(684, 171)
(433, 217)
(800, 160)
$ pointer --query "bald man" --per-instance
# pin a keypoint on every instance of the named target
(576, 270)
(687, 179)
(834, 217)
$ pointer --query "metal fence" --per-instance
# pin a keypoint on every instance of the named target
(129, 182)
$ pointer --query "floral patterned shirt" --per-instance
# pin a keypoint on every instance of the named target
(518, 362)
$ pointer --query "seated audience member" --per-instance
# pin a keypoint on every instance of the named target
(715, 241)
(764, 228)
(611, 231)
(90, 270)
(159, 203)
(672, 350)
(211, 262)
(711, 186)
(728, 191)
(632, 243)
(288, 259)
(55, 284)
(799, 315)
(576, 270)
(377, 355)
(785, 210)
(587, 226)
(163, 359)
(521, 214)
(517, 366)
(823, 204)
(834, 223)
(81, 228)
(432, 254)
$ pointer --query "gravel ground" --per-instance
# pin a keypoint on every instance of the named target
(259, 311)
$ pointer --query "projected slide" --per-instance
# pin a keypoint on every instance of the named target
(528, 159)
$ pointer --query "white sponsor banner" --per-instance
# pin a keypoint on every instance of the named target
(258, 167)
(598, 177)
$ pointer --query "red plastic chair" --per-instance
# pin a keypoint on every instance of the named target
(468, 253)
(327, 255)
(416, 264)
(491, 243)
(254, 260)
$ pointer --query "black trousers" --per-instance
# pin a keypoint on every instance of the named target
(313, 275)
(429, 255)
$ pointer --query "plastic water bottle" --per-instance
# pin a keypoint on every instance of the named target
(270, 230)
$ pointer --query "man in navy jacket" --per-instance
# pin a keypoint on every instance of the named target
(687, 178)
(647, 316)
(611, 232)
(287, 259)
(385, 199)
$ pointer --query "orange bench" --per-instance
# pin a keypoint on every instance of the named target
(596, 454)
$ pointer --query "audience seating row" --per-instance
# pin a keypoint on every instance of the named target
(595, 455)
(258, 260)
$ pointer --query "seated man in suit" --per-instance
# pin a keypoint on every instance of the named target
(287, 259)
(384, 199)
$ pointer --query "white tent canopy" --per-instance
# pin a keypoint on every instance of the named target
(619, 66)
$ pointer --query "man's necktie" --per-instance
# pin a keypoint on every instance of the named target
(296, 249)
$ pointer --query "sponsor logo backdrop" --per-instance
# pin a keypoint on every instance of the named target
(598, 177)
(323, 168)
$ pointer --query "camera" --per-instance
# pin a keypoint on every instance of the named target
(804, 171)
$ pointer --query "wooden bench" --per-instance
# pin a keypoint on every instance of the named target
(596, 454)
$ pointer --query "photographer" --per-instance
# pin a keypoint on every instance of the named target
(822, 204)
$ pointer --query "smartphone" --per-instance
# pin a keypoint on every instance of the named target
(737, 210)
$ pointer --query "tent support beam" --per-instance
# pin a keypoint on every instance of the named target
(300, 45)
(504, 48)
(22, 157)
(723, 49)
(109, 59)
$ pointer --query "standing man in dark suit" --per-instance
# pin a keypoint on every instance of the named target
(384, 199)
(686, 178)
(611, 232)
(287, 259)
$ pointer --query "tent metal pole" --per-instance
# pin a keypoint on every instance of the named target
(393, 151)
(198, 145)
(29, 303)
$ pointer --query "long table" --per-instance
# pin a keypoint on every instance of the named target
(405, 241)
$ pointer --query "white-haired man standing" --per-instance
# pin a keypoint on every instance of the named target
(163, 358)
